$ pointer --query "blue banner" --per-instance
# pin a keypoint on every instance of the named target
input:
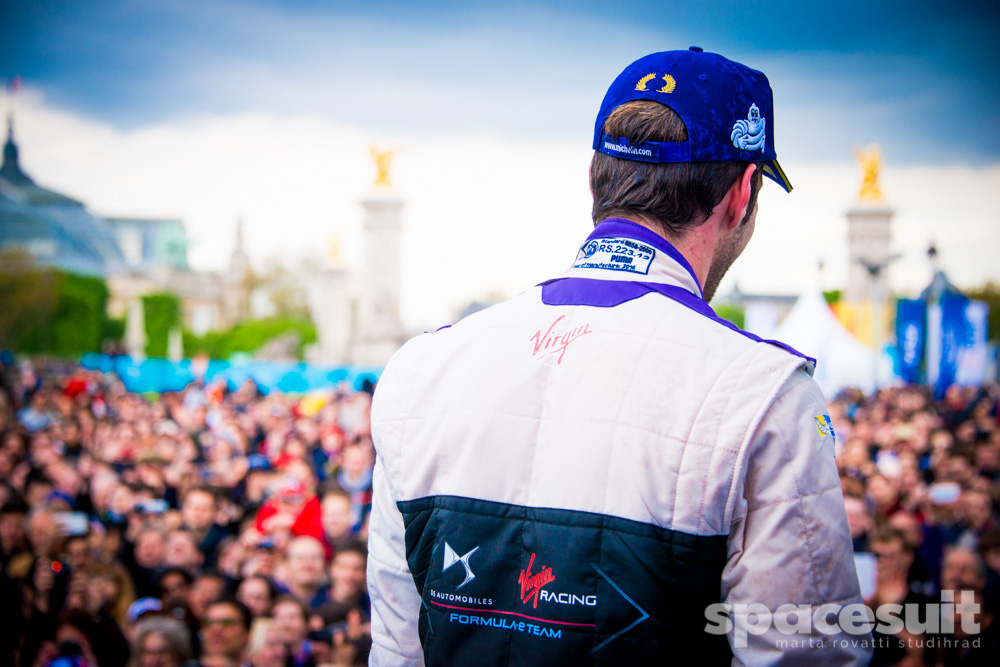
(911, 339)
(954, 334)
(160, 375)
(973, 355)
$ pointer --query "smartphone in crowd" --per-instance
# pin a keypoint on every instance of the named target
(71, 523)
(944, 493)
(152, 506)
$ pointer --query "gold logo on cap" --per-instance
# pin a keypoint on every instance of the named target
(644, 80)
(668, 84)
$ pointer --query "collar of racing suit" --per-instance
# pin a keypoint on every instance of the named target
(622, 260)
(666, 264)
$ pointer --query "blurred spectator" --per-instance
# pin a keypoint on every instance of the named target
(42, 541)
(13, 540)
(294, 511)
(225, 633)
(291, 619)
(232, 555)
(205, 589)
(918, 577)
(180, 550)
(304, 576)
(895, 558)
(964, 574)
(962, 570)
(347, 590)
(35, 416)
(77, 551)
(355, 477)
(977, 517)
(258, 479)
(267, 647)
(263, 556)
(198, 513)
(989, 549)
(77, 632)
(145, 560)
(110, 588)
(72, 636)
(859, 521)
(883, 495)
(174, 585)
(257, 592)
(338, 518)
(161, 642)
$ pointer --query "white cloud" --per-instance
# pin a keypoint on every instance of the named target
(955, 207)
(483, 213)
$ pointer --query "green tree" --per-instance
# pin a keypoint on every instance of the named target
(249, 336)
(27, 299)
(728, 311)
(114, 328)
(78, 323)
(161, 313)
(50, 311)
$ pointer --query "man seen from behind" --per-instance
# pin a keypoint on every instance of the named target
(600, 470)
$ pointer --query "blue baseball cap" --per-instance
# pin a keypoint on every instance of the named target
(727, 107)
(142, 606)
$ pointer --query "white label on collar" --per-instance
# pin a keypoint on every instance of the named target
(615, 254)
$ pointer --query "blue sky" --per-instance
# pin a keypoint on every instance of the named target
(920, 77)
(213, 111)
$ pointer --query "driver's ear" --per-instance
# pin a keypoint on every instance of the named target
(740, 198)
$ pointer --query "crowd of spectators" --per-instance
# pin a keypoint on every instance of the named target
(227, 528)
(211, 527)
(921, 483)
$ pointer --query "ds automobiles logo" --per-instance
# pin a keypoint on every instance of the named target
(451, 557)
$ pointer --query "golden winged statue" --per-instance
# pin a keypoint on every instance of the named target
(870, 160)
(383, 160)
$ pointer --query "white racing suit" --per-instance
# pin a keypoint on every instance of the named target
(600, 471)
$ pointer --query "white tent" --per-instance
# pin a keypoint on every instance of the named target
(842, 360)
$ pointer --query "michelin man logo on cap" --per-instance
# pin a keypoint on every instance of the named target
(727, 108)
(748, 135)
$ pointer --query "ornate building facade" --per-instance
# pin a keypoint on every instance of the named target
(136, 256)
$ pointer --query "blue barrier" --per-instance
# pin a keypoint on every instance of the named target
(287, 377)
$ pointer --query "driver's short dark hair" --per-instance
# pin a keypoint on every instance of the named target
(679, 195)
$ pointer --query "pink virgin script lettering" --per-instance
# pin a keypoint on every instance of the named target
(551, 343)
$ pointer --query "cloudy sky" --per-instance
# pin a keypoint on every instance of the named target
(216, 110)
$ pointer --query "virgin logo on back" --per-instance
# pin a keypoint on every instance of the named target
(531, 584)
(552, 342)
